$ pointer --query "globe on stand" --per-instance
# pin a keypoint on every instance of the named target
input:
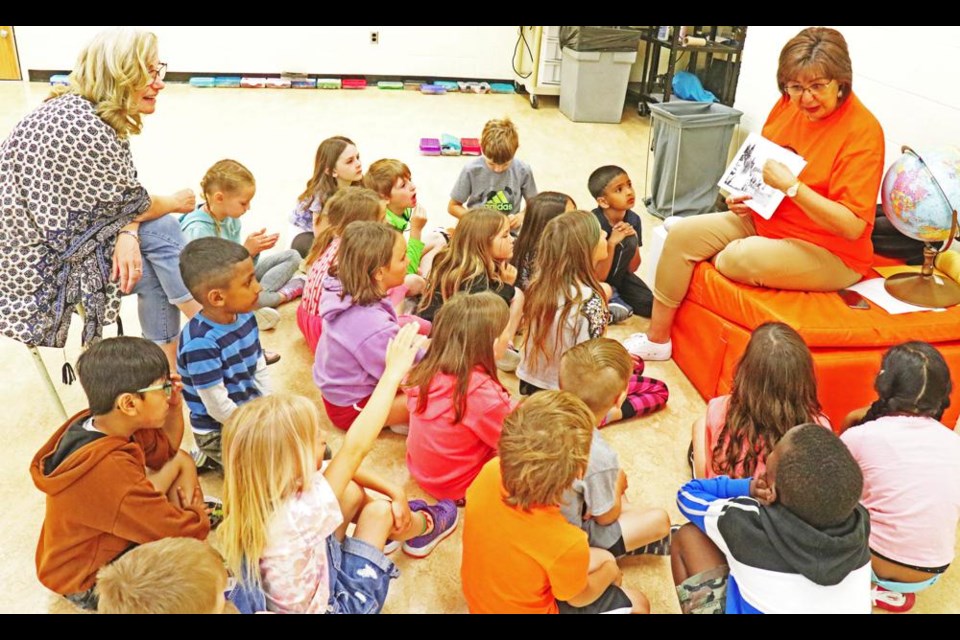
(920, 197)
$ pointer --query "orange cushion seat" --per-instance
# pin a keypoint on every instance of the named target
(714, 323)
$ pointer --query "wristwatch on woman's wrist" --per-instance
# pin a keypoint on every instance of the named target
(792, 191)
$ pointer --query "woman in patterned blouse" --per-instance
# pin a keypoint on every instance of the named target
(76, 226)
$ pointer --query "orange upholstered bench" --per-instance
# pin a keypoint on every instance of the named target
(714, 323)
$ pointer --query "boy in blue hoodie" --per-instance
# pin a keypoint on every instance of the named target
(793, 540)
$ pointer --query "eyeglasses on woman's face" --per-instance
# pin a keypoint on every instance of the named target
(158, 73)
(817, 89)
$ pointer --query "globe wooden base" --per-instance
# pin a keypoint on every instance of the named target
(931, 291)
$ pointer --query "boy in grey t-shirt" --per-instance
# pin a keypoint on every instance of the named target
(598, 371)
(496, 181)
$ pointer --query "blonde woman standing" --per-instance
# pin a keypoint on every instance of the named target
(76, 225)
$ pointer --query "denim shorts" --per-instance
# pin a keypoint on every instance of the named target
(161, 288)
(359, 576)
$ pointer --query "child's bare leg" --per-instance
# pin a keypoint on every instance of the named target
(692, 552)
(352, 502)
(607, 291)
(399, 414)
(640, 603)
(513, 323)
(179, 472)
(640, 527)
(374, 523)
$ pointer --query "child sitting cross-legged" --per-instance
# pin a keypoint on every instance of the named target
(287, 512)
(457, 403)
(113, 474)
(792, 540)
(911, 474)
(600, 373)
(219, 356)
(519, 553)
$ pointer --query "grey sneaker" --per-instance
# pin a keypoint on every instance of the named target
(619, 312)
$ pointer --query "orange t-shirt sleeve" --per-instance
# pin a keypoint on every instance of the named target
(856, 175)
(568, 573)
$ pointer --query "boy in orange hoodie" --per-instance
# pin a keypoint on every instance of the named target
(113, 474)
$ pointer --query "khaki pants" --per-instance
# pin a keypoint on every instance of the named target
(742, 256)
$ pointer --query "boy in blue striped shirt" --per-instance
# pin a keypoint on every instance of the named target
(219, 358)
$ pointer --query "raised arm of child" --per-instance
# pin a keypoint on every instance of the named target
(401, 352)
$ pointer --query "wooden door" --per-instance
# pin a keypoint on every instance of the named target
(9, 65)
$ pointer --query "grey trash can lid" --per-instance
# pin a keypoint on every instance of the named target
(688, 115)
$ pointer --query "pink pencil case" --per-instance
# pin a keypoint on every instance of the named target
(430, 146)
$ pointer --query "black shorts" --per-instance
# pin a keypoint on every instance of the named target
(613, 600)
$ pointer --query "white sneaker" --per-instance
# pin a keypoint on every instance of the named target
(399, 429)
(510, 360)
(671, 222)
(639, 345)
(267, 318)
(391, 546)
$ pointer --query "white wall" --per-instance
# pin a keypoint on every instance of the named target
(440, 51)
(907, 76)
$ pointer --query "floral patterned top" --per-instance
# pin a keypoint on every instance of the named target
(67, 187)
(294, 568)
(302, 215)
(310, 301)
(588, 322)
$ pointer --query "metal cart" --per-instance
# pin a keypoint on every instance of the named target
(722, 68)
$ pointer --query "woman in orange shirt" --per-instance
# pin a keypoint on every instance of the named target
(819, 237)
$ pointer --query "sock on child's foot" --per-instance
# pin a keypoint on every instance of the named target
(659, 547)
(293, 289)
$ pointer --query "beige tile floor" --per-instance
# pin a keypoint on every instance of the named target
(275, 133)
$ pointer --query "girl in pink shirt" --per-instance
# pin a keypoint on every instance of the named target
(457, 404)
(774, 390)
(911, 474)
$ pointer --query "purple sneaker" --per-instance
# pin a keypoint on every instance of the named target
(445, 519)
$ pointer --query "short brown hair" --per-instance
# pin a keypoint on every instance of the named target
(819, 49)
(365, 247)
(173, 575)
(499, 141)
(544, 447)
(383, 174)
(596, 371)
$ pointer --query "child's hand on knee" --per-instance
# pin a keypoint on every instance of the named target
(401, 515)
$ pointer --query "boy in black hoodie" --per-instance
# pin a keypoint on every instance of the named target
(793, 540)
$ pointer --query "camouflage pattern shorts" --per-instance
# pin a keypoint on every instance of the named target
(705, 592)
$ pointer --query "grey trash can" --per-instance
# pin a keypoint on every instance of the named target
(593, 84)
(596, 70)
(691, 143)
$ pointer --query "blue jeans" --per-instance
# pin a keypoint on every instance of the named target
(359, 576)
(161, 288)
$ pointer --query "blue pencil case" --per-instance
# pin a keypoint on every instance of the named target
(450, 145)
(227, 82)
(202, 81)
(501, 87)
